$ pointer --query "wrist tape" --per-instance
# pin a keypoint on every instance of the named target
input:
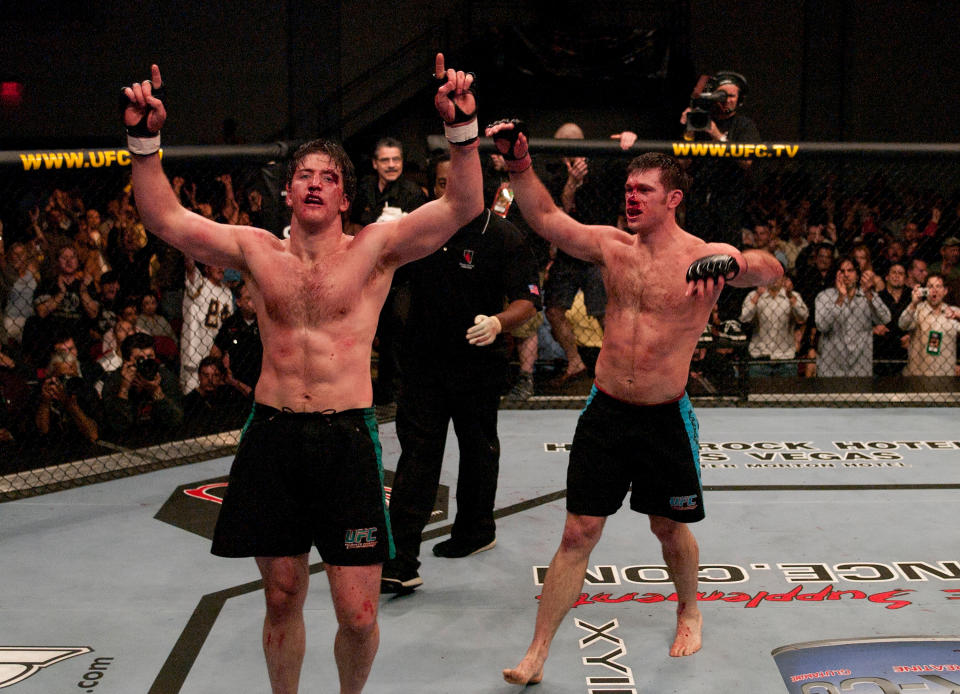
(461, 133)
(143, 146)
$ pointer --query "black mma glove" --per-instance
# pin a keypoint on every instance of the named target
(516, 154)
(140, 140)
(713, 266)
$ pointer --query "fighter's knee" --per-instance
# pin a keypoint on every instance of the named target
(359, 623)
(284, 590)
(282, 600)
(581, 534)
(665, 529)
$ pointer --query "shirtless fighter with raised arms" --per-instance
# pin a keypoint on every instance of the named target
(308, 467)
(638, 427)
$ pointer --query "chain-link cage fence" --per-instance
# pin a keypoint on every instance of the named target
(856, 227)
(119, 355)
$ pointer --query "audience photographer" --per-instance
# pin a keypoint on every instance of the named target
(141, 397)
(68, 408)
(933, 326)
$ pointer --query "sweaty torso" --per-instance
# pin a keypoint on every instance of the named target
(651, 328)
(317, 320)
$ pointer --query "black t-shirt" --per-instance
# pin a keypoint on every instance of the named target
(69, 316)
(722, 176)
(484, 266)
(368, 206)
(226, 408)
(888, 346)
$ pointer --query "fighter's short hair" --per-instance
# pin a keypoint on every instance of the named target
(672, 175)
(337, 155)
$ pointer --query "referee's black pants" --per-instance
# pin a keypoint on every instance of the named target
(431, 396)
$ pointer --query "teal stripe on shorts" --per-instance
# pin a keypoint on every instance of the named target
(693, 430)
(370, 417)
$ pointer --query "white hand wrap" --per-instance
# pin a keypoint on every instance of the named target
(461, 133)
(143, 146)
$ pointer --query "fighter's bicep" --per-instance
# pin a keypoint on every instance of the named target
(417, 234)
(583, 241)
(212, 243)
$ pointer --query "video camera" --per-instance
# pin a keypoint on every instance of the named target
(707, 94)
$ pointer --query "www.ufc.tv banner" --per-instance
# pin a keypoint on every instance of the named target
(886, 665)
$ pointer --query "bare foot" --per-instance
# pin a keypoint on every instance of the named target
(529, 671)
(688, 639)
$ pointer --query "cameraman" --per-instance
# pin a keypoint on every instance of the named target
(142, 392)
(720, 187)
(68, 407)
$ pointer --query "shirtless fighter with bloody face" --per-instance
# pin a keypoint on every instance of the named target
(308, 468)
(638, 427)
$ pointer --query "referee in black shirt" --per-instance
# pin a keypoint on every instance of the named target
(481, 283)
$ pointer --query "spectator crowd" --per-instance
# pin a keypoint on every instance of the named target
(110, 334)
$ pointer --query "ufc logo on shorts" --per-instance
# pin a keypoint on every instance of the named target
(360, 537)
(683, 503)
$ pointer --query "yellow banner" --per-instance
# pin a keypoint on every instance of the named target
(77, 159)
(733, 149)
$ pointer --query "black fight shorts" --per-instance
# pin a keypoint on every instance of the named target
(654, 448)
(304, 479)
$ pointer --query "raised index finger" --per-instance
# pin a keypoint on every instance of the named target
(155, 77)
(439, 72)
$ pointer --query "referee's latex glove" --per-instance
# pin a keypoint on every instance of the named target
(484, 330)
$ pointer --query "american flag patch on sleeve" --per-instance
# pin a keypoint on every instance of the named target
(534, 289)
